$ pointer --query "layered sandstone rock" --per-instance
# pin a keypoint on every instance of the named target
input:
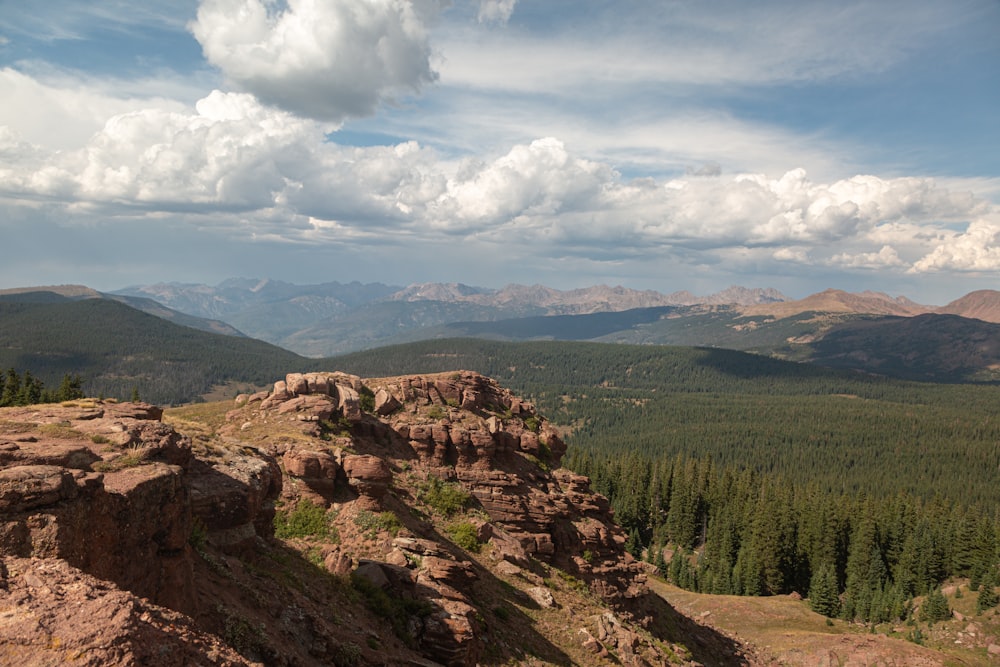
(113, 492)
(464, 429)
(56, 614)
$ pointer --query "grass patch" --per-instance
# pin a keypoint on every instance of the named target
(380, 522)
(136, 456)
(61, 430)
(366, 397)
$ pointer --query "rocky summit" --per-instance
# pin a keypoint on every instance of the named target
(419, 520)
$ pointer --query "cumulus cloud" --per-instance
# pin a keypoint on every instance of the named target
(975, 249)
(541, 179)
(232, 153)
(243, 166)
(322, 59)
(496, 11)
(886, 257)
(62, 113)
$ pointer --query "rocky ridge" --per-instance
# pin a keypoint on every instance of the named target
(420, 520)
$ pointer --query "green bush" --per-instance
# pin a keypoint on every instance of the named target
(306, 520)
(367, 399)
(445, 498)
(464, 534)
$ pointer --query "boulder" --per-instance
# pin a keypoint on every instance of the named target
(385, 403)
(542, 597)
(369, 476)
(349, 402)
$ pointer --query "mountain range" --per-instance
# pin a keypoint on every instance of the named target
(335, 318)
(868, 331)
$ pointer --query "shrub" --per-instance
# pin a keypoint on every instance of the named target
(199, 534)
(397, 610)
(347, 655)
(367, 399)
(464, 535)
(306, 520)
(445, 498)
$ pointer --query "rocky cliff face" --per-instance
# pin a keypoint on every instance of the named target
(420, 520)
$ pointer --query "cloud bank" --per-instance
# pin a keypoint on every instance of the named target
(269, 173)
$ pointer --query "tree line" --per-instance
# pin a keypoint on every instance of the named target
(26, 389)
(735, 531)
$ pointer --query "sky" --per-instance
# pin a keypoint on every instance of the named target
(667, 145)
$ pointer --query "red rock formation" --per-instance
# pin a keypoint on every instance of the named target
(55, 614)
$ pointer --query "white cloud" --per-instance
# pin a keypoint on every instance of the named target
(232, 153)
(975, 249)
(323, 59)
(541, 179)
(249, 170)
(59, 113)
(496, 11)
(728, 43)
(886, 257)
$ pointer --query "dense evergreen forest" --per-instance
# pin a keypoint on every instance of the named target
(758, 476)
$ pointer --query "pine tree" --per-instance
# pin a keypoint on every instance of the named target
(11, 389)
(823, 598)
(31, 390)
(988, 597)
(70, 388)
(935, 607)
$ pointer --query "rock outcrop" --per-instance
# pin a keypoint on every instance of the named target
(436, 499)
(108, 492)
(389, 438)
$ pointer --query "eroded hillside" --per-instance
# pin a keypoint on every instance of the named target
(333, 520)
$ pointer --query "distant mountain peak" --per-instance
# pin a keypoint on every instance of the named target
(840, 301)
(437, 292)
(982, 305)
(68, 291)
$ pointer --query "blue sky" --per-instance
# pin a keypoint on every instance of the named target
(661, 145)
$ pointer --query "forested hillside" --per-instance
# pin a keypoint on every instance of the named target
(760, 475)
(118, 350)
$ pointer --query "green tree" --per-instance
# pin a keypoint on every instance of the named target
(70, 388)
(935, 607)
(31, 390)
(987, 598)
(11, 388)
(823, 598)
